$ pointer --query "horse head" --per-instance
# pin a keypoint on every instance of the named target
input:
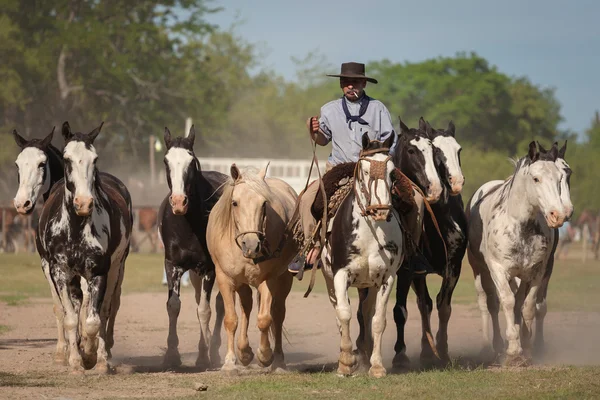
(81, 174)
(544, 189)
(182, 168)
(32, 171)
(373, 178)
(415, 157)
(558, 155)
(449, 156)
(250, 200)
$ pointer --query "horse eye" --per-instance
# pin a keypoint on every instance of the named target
(42, 165)
(536, 180)
(411, 151)
(234, 203)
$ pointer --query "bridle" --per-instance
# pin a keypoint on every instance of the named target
(265, 251)
(378, 171)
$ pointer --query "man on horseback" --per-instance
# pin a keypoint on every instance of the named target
(343, 123)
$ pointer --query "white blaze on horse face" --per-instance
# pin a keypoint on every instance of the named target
(544, 188)
(434, 191)
(31, 164)
(450, 147)
(565, 191)
(83, 163)
(179, 160)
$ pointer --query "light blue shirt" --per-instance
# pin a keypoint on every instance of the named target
(346, 142)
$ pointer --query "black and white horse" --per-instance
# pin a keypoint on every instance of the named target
(83, 240)
(511, 235)
(444, 254)
(183, 217)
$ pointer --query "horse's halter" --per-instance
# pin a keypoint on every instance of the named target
(265, 250)
(378, 171)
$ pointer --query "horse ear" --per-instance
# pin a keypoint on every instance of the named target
(365, 141)
(66, 131)
(48, 139)
(389, 142)
(167, 137)
(403, 127)
(192, 136)
(20, 140)
(429, 130)
(94, 134)
(451, 128)
(562, 151)
(235, 172)
(533, 153)
(263, 172)
(422, 124)
(554, 153)
(541, 148)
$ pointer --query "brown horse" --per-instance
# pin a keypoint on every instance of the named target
(249, 244)
(147, 219)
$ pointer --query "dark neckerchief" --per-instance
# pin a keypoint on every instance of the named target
(363, 109)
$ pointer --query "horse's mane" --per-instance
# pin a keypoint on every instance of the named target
(221, 212)
(506, 187)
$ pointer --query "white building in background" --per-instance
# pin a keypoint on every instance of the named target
(294, 172)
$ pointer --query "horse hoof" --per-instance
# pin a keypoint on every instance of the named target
(377, 372)
(61, 359)
(246, 356)
(401, 362)
(346, 370)
(172, 359)
(202, 364)
(264, 358)
(101, 369)
(516, 360)
(77, 370)
(230, 370)
(89, 360)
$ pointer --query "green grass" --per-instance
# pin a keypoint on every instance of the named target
(549, 383)
(4, 329)
(573, 286)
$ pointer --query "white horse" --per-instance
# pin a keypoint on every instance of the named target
(511, 235)
(364, 250)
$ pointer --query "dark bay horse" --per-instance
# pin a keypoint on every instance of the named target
(183, 217)
(83, 240)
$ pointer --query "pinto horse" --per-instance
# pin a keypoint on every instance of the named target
(252, 245)
(512, 231)
(183, 217)
(83, 240)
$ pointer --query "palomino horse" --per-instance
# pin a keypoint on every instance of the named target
(251, 245)
(83, 235)
(364, 250)
(445, 253)
(183, 217)
(511, 235)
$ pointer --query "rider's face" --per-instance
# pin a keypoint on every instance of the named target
(353, 88)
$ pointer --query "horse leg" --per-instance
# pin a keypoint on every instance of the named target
(541, 309)
(425, 305)
(245, 353)
(95, 324)
(529, 311)
(281, 290)
(507, 301)
(403, 282)
(378, 326)
(227, 290)
(71, 323)
(114, 308)
(364, 315)
(347, 360)
(60, 356)
(172, 357)
(202, 291)
(264, 322)
(444, 306)
(215, 340)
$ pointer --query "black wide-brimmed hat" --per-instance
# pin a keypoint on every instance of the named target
(353, 70)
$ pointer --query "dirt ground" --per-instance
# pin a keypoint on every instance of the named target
(141, 333)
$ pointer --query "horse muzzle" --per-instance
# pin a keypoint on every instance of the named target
(251, 246)
(83, 205)
(554, 219)
(24, 207)
(179, 203)
(456, 186)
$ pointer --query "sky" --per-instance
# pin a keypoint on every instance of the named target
(555, 43)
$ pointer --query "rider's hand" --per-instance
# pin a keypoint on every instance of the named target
(313, 125)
